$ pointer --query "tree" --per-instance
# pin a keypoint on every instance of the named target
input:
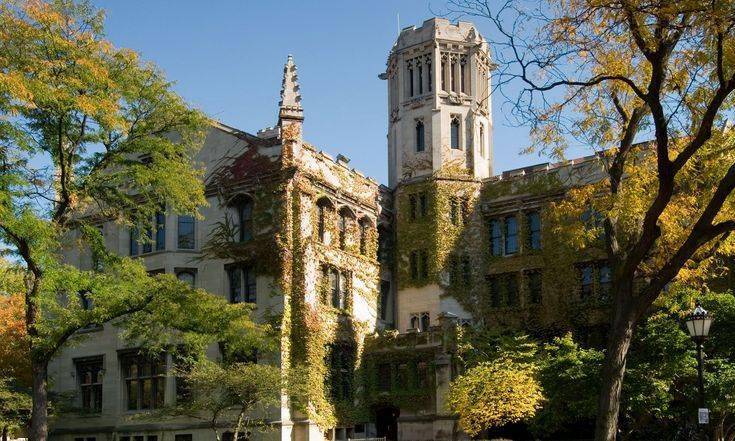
(569, 376)
(494, 393)
(89, 133)
(15, 407)
(660, 390)
(15, 379)
(14, 353)
(607, 74)
(230, 395)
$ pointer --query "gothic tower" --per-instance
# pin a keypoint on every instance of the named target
(439, 152)
(439, 102)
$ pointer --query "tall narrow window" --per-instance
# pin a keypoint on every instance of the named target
(89, 372)
(338, 286)
(342, 362)
(453, 76)
(482, 141)
(243, 286)
(410, 81)
(134, 236)
(421, 79)
(425, 321)
(342, 224)
(185, 232)
(148, 241)
(245, 219)
(323, 208)
(428, 73)
(496, 237)
(462, 77)
(413, 263)
(413, 206)
(454, 133)
(533, 220)
(160, 231)
(384, 377)
(423, 264)
(444, 75)
(420, 146)
(322, 215)
(415, 322)
(511, 235)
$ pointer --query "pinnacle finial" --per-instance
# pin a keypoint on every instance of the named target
(290, 104)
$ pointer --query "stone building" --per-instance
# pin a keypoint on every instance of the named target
(366, 282)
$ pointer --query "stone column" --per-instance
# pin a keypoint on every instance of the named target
(445, 423)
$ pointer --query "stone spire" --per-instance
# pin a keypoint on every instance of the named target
(290, 104)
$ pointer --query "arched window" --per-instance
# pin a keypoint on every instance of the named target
(323, 207)
(454, 133)
(420, 136)
(425, 322)
(243, 207)
(415, 323)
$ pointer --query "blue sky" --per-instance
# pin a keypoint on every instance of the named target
(227, 57)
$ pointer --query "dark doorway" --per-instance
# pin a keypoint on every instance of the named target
(386, 422)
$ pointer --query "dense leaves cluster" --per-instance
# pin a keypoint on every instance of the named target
(658, 399)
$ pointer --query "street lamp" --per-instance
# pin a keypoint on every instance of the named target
(698, 324)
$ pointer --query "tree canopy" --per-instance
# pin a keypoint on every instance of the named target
(90, 134)
(609, 75)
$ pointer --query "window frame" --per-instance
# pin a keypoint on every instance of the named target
(96, 367)
(160, 234)
(534, 234)
(420, 134)
(182, 220)
(247, 279)
(455, 133)
(497, 239)
(507, 240)
(139, 378)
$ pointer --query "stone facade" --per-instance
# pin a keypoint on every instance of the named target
(381, 275)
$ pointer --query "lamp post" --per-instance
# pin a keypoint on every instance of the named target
(698, 324)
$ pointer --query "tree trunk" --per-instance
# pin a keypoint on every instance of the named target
(718, 432)
(5, 433)
(613, 369)
(39, 414)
